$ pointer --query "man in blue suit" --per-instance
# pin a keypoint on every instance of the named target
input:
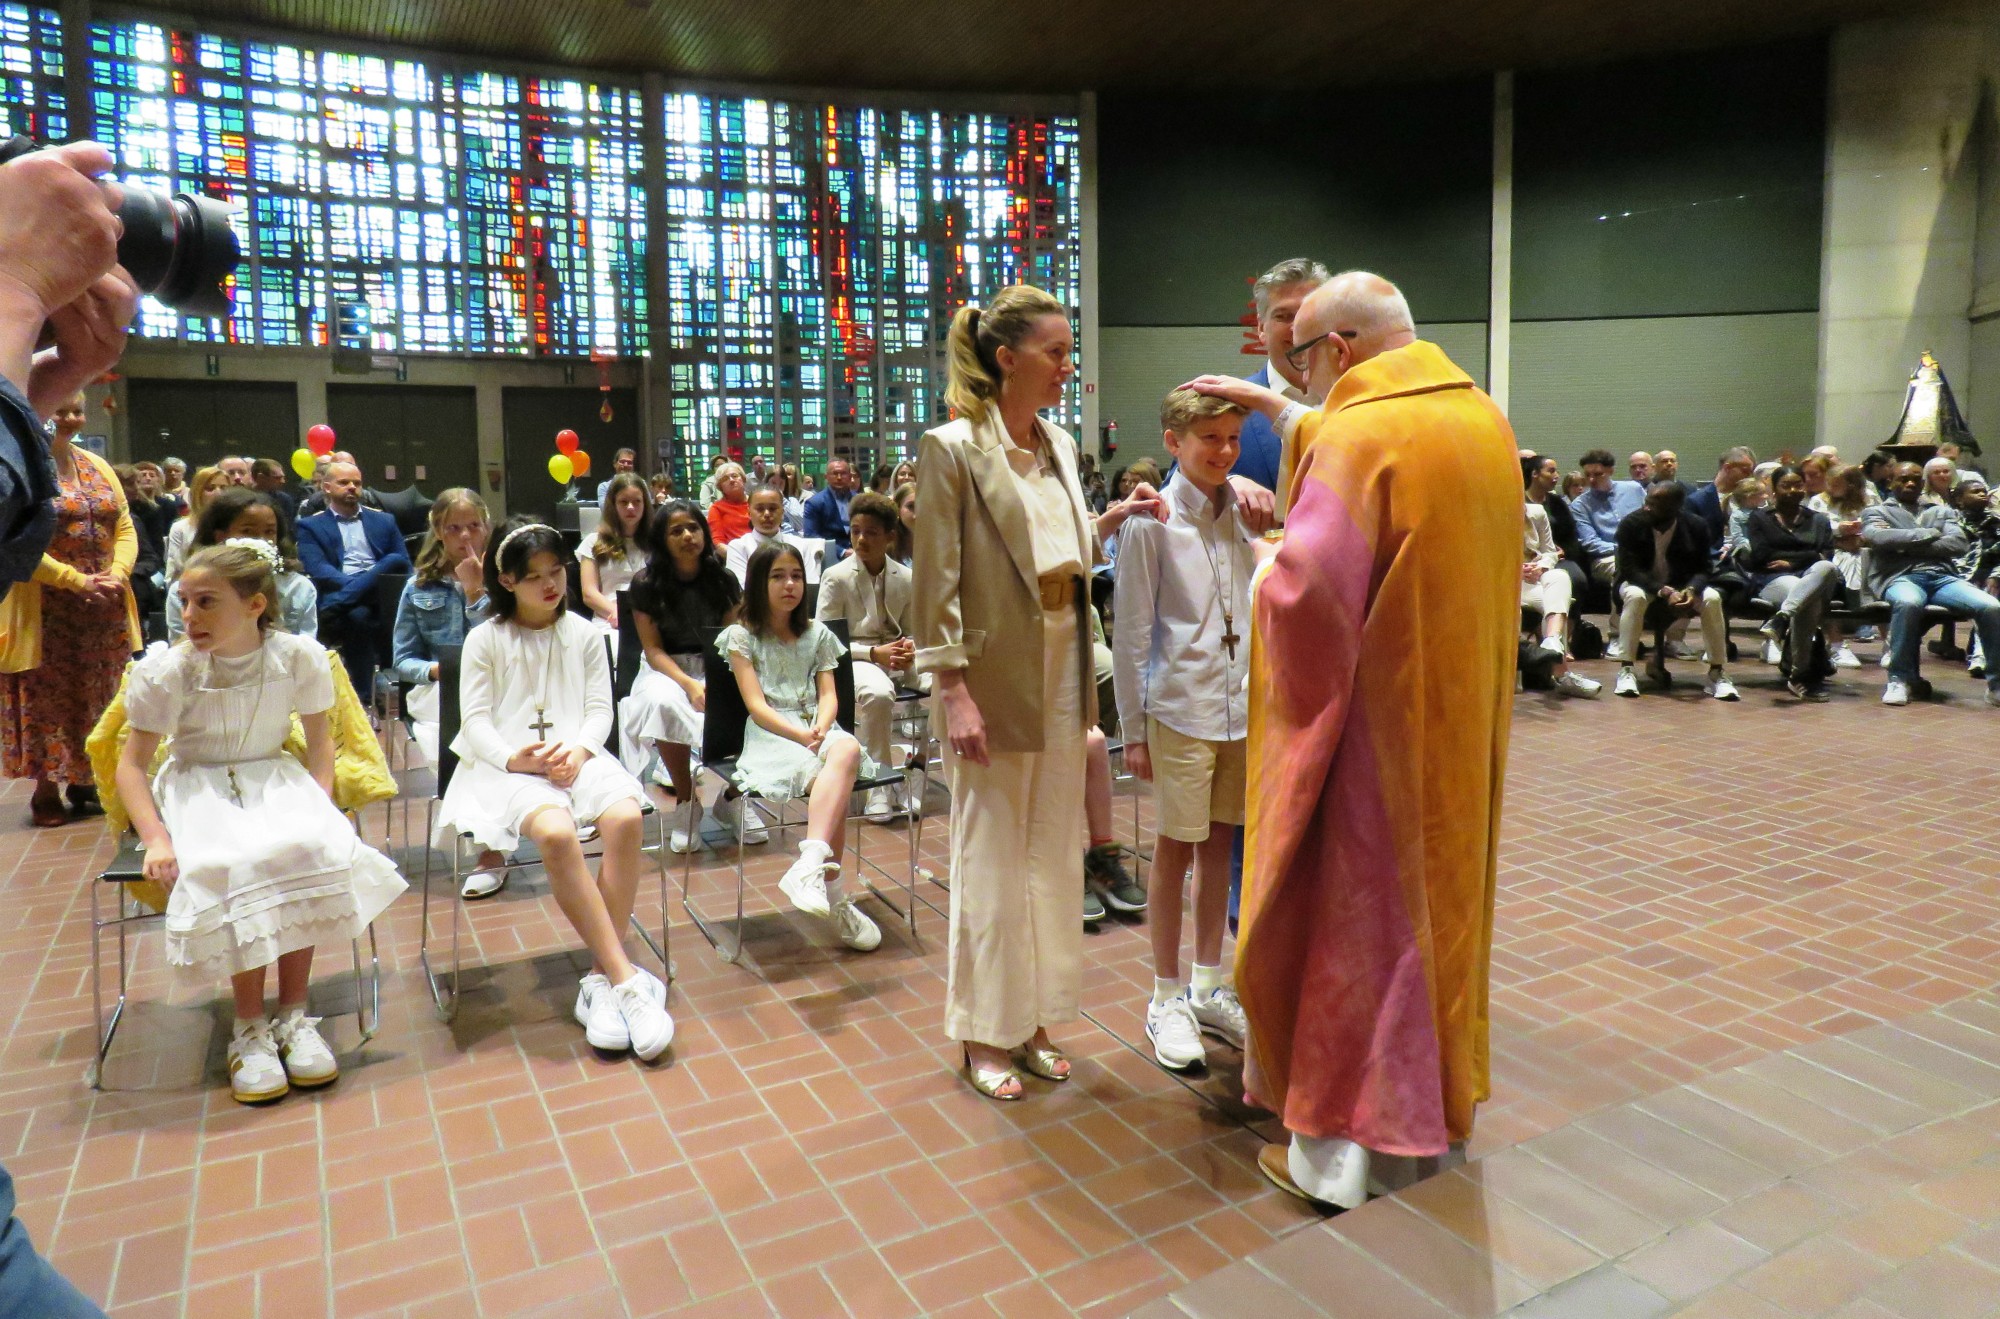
(345, 550)
(1278, 293)
(826, 511)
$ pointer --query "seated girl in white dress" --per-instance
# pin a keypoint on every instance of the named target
(260, 864)
(683, 593)
(239, 513)
(612, 556)
(534, 710)
(784, 661)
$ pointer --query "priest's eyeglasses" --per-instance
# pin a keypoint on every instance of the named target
(1298, 353)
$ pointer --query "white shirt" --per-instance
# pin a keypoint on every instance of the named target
(514, 677)
(1283, 385)
(1182, 586)
(613, 574)
(737, 553)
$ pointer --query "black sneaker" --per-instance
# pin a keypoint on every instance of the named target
(1104, 870)
(1807, 691)
(1093, 910)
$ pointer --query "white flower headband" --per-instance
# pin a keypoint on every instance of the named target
(263, 549)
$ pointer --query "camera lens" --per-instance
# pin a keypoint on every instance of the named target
(178, 247)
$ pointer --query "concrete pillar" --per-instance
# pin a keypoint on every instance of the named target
(1896, 272)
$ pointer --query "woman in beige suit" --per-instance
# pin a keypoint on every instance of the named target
(1001, 554)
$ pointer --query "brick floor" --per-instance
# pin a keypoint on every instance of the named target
(1690, 892)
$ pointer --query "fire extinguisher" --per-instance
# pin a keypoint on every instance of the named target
(1107, 438)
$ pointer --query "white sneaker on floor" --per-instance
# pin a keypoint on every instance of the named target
(648, 1026)
(1575, 684)
(913, 799)
(854, 927)
(308, 1061)
(1772, 652)
(256, 1074)
(1616, 653)
(483, 883)
(804, 882)
(1683, 650)
(1845, 658)
(740, 819)
(1175, 1034)
(1720, 687)
(878, 807)
(1897, 692)
(604, 1024)
(1626, 684)
(587, 990)
(681, 837)
(1221, 1015)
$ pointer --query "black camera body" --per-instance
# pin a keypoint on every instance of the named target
(178, 246)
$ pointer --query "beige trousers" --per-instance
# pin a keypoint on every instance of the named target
(875, 704)
(1016, 956)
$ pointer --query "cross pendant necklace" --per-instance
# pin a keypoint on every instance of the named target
(541, 724)
(235, 788)
(1229, 637)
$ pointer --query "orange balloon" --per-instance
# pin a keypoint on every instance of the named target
(581, 461)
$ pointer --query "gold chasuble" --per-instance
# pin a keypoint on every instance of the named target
(1382, 682)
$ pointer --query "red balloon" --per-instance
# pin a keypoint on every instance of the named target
(320, 438)
(566, 441)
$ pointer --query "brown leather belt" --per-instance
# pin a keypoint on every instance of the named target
(1058, 590)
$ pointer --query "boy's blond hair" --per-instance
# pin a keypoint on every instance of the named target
(1182, 408)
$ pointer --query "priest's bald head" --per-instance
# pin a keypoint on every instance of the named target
(1347, 320)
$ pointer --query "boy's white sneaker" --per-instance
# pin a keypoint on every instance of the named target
(1221, 1015)
(1175, 1034)
(308, 1061)
(1896, 692)
(256, 1075)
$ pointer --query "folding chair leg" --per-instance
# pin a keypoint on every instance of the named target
(368, 988)
(662, 948)
(446, 1001)
(734, 950)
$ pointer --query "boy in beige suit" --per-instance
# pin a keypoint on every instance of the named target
(870, 592)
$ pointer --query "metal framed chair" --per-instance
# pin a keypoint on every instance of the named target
(127, 869)
(444, 985)
(723, 726)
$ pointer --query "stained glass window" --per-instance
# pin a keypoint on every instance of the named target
(815, 253)
(32, 103)
(463, 211)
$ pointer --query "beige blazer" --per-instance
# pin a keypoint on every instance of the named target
(844, 594)
(978, 602)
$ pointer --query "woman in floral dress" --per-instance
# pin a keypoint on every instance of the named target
(66, 635)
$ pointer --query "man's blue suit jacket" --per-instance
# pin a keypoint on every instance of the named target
(321, 554)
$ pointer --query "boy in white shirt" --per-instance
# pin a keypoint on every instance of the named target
(870, 592)
(1181, 665)
(767, 523)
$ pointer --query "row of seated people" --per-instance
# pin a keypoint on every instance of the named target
(1669, 557)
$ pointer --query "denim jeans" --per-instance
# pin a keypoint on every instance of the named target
(29, 1288)
(1908, 594)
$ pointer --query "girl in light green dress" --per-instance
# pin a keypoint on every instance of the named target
(784, 663)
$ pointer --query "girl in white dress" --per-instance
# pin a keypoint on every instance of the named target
(616, 551)
(784, 661)
(534, 710)
(260, 863)
(684, 592)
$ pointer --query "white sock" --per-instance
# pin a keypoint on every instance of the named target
(1207, 979)
(1166, 991)
(814, 848)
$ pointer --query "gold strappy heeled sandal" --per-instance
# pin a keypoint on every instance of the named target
(1042, 1061)
(988, 1081)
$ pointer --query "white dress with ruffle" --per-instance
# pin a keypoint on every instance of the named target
(268, 864)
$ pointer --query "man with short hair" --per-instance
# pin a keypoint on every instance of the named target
(1639, 466)
(1667, 467)
(235, 470)
(826, 511)
(1603, 505)
(269, 477)
(1710, 502)
(345, 550)
(1664, 558)
(1912, 555)
(1277, 296)
(625, 460)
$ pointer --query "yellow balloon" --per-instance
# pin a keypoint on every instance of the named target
(561, 469)
(304, 463)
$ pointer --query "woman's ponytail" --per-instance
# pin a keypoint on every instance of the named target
(972, 375)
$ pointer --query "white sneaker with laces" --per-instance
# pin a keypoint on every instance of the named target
(587, 990)
(878, 808)
(804, 882)
(1897, 692)
(681, 837)
(1575, 684)
(308, 1061)
(1175, 1034)
(1720, 687)
(1626, 684)
(856, 930)
(1772, 653)
(1683, 650)
(1616, 653)
(740, 819)
(1845, 658)
(256, 1075)
(604, 1024)
(1221, 1015)
(648, 1026)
